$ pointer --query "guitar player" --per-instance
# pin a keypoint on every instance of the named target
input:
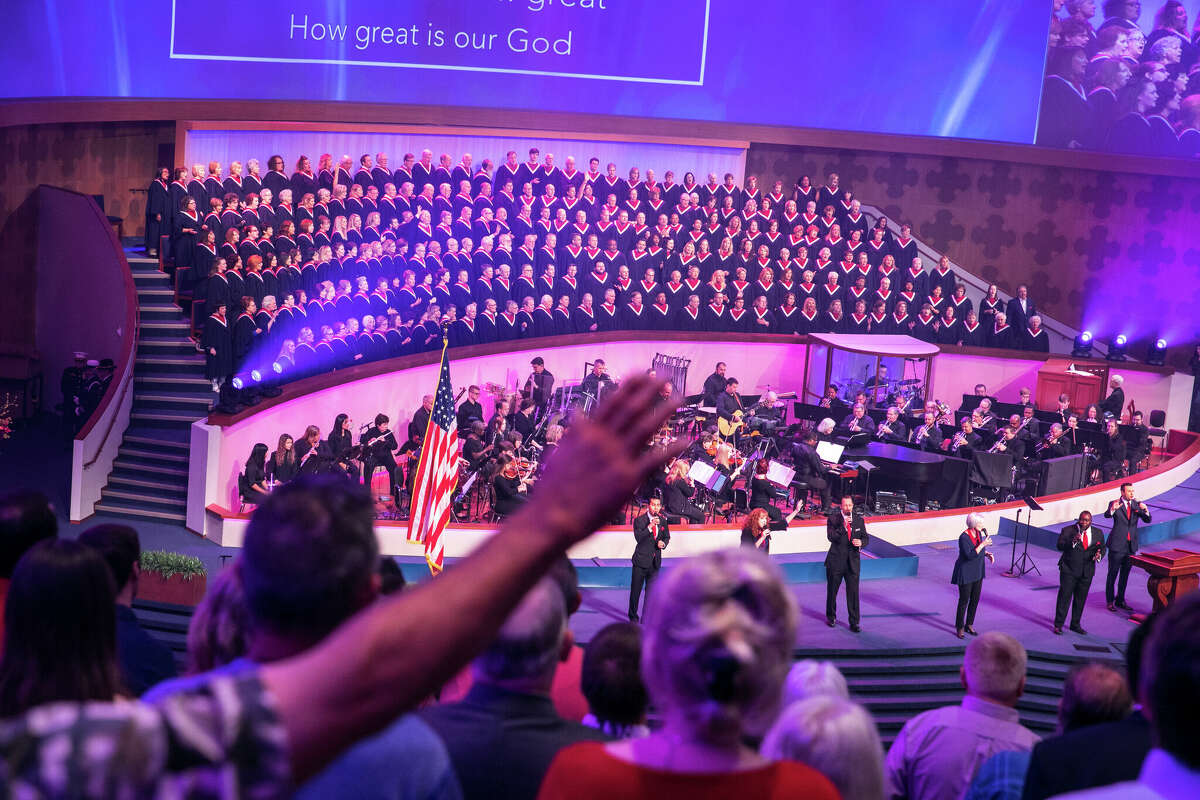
(730, 410)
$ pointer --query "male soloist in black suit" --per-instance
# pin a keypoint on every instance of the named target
(1081, 546)
(650, 531)
(847, 534)
(1122, 544)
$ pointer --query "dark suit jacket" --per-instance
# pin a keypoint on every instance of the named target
(1124, 536)
(646, 553)
(1075, 560)
(144, 660)
(843, 556)
(1097, 755)
(969, 566)
(1015, 317)
(501, 743)
(1114, 403)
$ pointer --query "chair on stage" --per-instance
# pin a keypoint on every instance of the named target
(246, 499)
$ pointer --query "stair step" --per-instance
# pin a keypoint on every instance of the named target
(139, 498)
(172, 325)
(182, 399)
(141, 513)
(159, 416)
(150, 292)
(181, 380)
(138, 452)
(124, 463)
(153, 442)
(170, 361)
(125, 480)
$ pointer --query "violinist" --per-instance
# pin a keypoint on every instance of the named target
(511, 489)
(891, 429)
(679, 491)
(379, 443)
(729, 462)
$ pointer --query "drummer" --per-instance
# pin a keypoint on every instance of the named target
(769, 415)
(880, 384)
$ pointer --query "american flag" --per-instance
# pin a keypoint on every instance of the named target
(437, 473)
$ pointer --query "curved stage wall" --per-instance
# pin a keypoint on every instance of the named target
(220, 444)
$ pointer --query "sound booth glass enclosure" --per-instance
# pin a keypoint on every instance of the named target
(888, 369)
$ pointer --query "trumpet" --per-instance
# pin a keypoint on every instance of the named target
(854, 425)
(944, 413)
(921, 433)
(882, 429)
(958, 441)
(1000, 445)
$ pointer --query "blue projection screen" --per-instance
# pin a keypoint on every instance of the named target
(932, 68)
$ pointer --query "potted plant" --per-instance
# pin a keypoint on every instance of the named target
(172, 578)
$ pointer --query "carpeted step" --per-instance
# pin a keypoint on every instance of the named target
(130, 510)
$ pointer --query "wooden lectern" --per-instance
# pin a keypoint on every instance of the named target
(1173, 573)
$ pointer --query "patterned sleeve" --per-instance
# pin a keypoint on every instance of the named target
(219, 738)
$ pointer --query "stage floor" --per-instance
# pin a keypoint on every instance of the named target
(907, 613)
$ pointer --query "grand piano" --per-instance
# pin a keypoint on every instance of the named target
(918, 473)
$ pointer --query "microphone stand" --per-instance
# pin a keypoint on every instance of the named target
(1012, 568)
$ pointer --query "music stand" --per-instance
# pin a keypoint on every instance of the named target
(1024, 564)
(866, 467)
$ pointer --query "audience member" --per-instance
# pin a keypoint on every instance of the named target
(1092, 694)
(217, 633)
(834, 736)
(811, 678)
(144, 660)
(718, 642)
(60, 630)
(937, 753)
(612, 681)
(503, 735)
(309, 562)
(1102, 754)
(1170, 692)
(263, 729)
(26, 518)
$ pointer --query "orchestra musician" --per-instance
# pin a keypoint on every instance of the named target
(831, 400)
(379, 444)
(312, 454)
(475, 450)
(858, 421)
(927, 435)
(809, 468)
(341, 446)
(891, 429)
(652, 534)
(758, 526)
(598, 381)
(1080, 545)
(1140, 448)
(1055, 444)
(767, 415)
(678, 493)
(510, 488)
(1112, 459)
(847, 534)
(963, 443)
(540, 386)
(1115, 401)
(1064, 408)
(1125, 512)
(714, 385)
(1008, 442)
(968, 572)
(471, 410)
(729, 404)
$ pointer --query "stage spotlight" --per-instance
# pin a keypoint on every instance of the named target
(1116, 350)
(238, 382)
(1156, 354)
(1083, 345)
(256, 376)
(278, 367)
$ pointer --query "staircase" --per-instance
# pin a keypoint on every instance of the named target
(150, 474)
(896, 685)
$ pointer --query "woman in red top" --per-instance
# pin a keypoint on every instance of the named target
(718, 644)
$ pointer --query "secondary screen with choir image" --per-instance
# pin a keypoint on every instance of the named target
(943, 68)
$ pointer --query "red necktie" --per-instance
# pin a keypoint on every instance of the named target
(849, 537)
(654, 531)
(1129, 518)
(1085, 540)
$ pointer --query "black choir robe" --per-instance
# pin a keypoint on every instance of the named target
(218, 364)
(584, 320)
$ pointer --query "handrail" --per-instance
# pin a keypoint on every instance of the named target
(972, 281)
(124, 366)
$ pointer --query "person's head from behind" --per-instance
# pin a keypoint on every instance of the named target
(835, 737)
(218, 631)
(59, 629)
(308, 563)
(26, 518)
(812, 678)
(718, 643)
(533, 640)
(994, 668)
(120, 548)
(611, 677)
(1170, 680)
(1093, 693)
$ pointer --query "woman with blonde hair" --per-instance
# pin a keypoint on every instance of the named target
(717, 645)
(677, 495)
